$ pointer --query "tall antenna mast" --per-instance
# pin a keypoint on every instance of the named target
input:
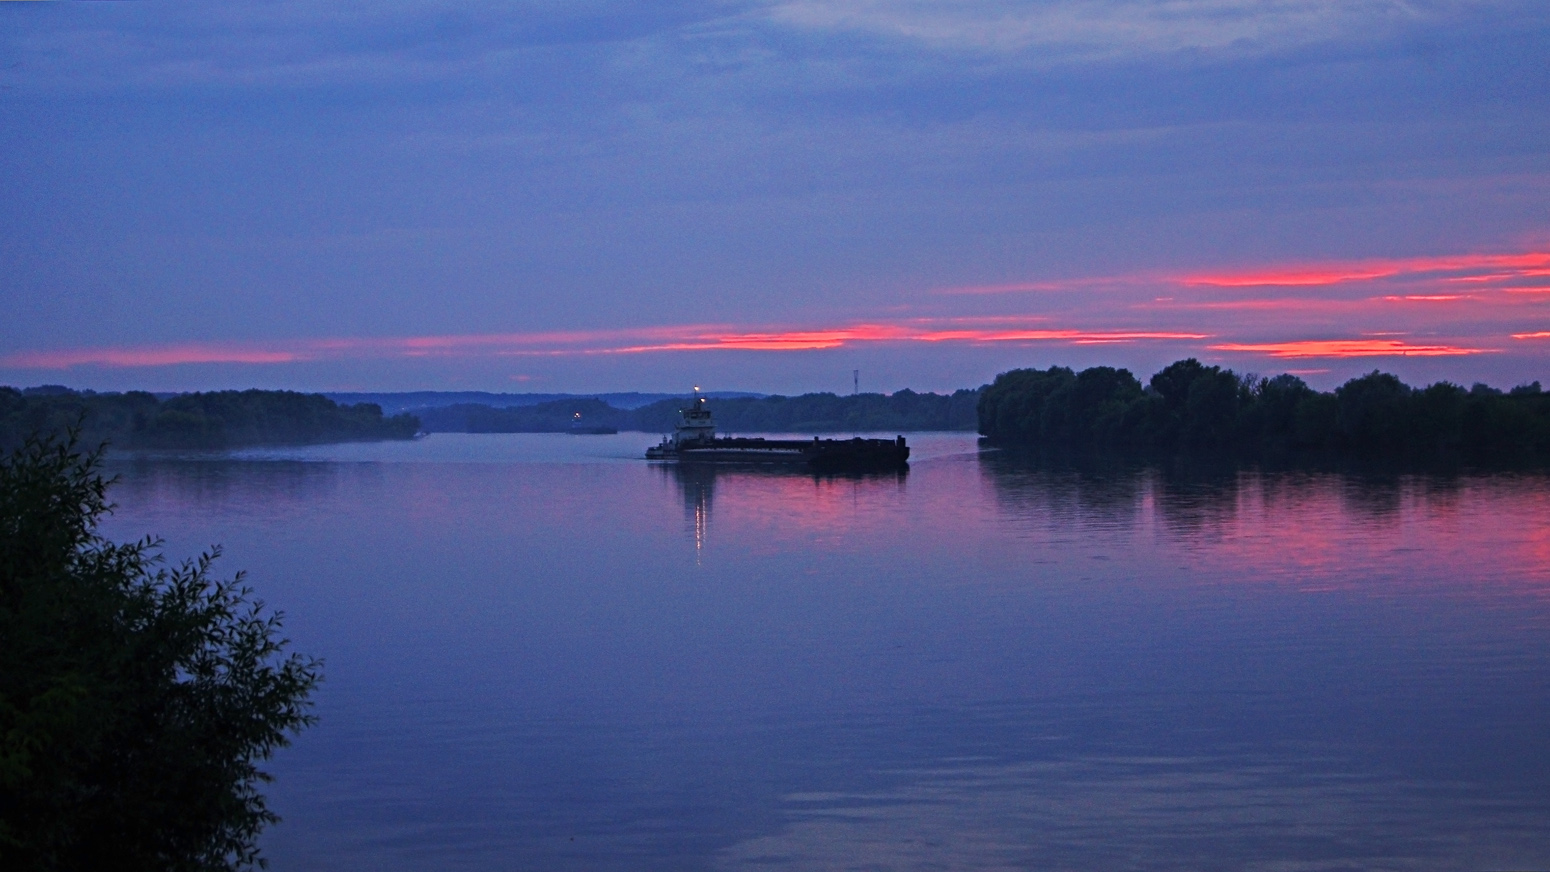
(855, 376)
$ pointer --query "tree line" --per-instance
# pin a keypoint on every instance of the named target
(904, 410)
(1191, 407)
(211, 420)
(1186, 407)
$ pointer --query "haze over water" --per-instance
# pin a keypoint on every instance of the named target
(543, 653)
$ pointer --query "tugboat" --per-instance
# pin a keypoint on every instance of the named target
(694, 440)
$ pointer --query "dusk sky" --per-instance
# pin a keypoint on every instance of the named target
(601, 196)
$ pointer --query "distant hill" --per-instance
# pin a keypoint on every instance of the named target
(555, 416)
(809, 413)
(393, 403)
(214, 420)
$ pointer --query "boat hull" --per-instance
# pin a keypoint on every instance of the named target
(824, 455)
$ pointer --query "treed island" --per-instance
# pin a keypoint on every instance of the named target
(1185, 408)
(1191, 408)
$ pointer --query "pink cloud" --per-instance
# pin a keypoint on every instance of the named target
(1297, 278)
(1475, 268)
(1337, 348)
(166, 355)
(1507, 266)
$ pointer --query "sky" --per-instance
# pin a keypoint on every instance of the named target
(593, 195)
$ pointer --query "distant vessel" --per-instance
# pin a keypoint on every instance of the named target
(581, 429)
(694, 440)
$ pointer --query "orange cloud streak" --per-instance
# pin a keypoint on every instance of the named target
(1299, 278)
(1347, 348)
(1499, 277)
(1542, 334)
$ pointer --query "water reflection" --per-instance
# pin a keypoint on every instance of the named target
(1352, 526)
(215, 485)
(777, 488)
(698, 483)
(1194, 496)
(1100, 493)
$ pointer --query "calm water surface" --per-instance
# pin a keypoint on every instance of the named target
(544, 654)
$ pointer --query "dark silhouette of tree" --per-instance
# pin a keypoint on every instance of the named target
(136, 699)
(1091, 406)
(1013, 407)
(1374, 412)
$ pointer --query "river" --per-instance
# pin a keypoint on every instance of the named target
(544, 653)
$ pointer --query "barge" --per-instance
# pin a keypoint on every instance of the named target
(694, 440)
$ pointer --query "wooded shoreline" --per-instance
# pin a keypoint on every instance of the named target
(214, 420)
(1187, 408)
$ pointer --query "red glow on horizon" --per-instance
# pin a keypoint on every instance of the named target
(1251, 312)
(567, 343)
(820, 339)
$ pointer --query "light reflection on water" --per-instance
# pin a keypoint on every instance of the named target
(544, 654)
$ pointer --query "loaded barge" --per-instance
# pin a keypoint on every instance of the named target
(694, 440)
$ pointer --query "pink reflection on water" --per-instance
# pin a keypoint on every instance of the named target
(1409, 535)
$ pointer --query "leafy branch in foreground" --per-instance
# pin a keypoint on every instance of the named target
(136, 698)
